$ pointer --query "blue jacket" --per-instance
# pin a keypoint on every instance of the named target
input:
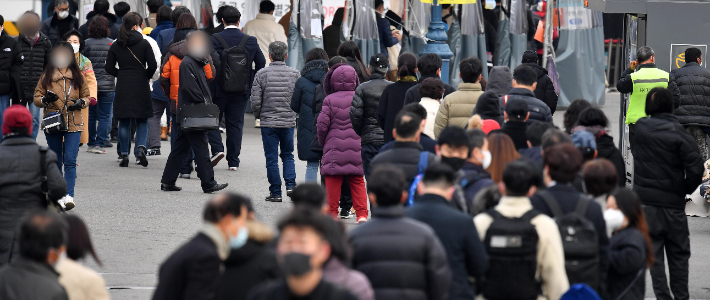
(158, 93)
(386, 38)
(472, 171)
(164, 38)
(302, 101)
(233, 36)
(160, 27)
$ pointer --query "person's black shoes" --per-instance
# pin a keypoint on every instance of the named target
(289, 192)
(124, 162)
(215, 188)
(274, 198)
(107, 144)
(141, 157)
(169, 187)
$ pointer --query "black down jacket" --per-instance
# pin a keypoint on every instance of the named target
(363, 113)
(694, 84)
(302, 103)
(545, 90)
(96, 50)
(10, 67)
(317, 106)
(667, 163)
(36, 57)
(21, 188)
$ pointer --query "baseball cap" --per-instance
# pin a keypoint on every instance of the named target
(380, 63)
(584, 141)
(516, 109)
(16, 116)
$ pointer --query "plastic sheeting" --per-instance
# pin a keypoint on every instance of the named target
(251, 9)
(512, 35)
(417, 24)
(580, 54)
(364, 31)
(201, 10)
(305, 32)
(467, 38)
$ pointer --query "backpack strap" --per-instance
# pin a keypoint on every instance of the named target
(551, 203)
(221, 40)
(582, 205)
(531, 214)
(494, 214)
(244, 41)
(471, 179)
(423, 162)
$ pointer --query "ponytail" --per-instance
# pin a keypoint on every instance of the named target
(407, 63)
(129, 20)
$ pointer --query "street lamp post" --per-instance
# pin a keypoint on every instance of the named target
(436, 41)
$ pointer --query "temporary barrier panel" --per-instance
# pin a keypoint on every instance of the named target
(512, 34)
(467, 38)
(305, 31)
(417, 24)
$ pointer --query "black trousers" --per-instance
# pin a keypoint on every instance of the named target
(668, 228)
(233, 111)
(181, 147)
(368, 152)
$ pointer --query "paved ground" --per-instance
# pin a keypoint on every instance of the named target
(135, 226)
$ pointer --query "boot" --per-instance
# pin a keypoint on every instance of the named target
(164, 133)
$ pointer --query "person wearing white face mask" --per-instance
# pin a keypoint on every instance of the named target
(475, 175)
(42, 239)
(77, 42)
(193, 271)
(60, 23)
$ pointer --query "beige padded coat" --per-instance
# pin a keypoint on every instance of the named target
(61, 84)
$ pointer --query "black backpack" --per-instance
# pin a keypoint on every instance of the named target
(235, 67)
(580, 241)
(511, 244)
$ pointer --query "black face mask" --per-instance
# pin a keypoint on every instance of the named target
(455, 162)
(295, 264)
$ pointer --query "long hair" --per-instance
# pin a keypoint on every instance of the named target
(630, 205)
(503, 149)
(186, 21)
(350, 49)
(46, 81)
(79, 241)
(572, 114)
(129, 20)
(406, 65)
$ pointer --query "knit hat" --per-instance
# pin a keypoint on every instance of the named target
(379, 63)
(16, 116)
(489, 125)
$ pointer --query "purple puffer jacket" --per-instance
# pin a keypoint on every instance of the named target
(341, 145)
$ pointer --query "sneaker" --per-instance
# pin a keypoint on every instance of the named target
(361, 220)
(185, 176)
(289, 192)
(120, 158)
(67, 203)
(215, 188)
(233, 168)
(108, 144)
(257, 123)
(124, 161)
(273, 198)
(345, 214)
(216, 158)
(153, 152)
(222, 129)
(97, 150)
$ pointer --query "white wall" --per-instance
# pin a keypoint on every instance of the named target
(11, 10)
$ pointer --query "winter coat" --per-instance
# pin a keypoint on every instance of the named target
(271, 95)
(155, 34)
(35, 53)
(157, 92)
(626, 83)
(354, 281)
(456, 108)
(412, 95)
(25, 279)
(278, 289)
(391, 102)
(61, 84)
(432, 107)
(471, 189)
(402, 257)
(132, 98)
(667, 163)
(331, 37)
(466, 254)
(363, 113)
(500, 81)
(318, 98)
(539, 111)
(488, 107)
(233, 37)
(112, 26)
(96, 50)
(50, 27)
(341, 145)
(385, 33)
(193, 82)
(425, 142)
(627, 256)
(545, 89)
(404, 155)
(10, 67)
(80, 282)
(301, 103)
(170, 74)
(21, 189)
(266, 31)
(252, 264)
(516, 131)
(607, 149)
(165, 37)
(694, 84)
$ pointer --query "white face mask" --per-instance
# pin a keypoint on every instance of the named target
(487, 158)
(614, 219)
(63, 14)
(60, 62)
(76, 48)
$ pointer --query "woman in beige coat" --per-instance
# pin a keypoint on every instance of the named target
(80, 282)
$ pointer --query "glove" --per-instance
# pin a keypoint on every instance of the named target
(50, 97)
(92, 101)
(78, 105)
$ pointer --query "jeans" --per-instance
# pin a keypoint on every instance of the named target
(66, 146)
(312, 168)
(124, 135)
(102, 113)
(233, 110)
(4, 104)
(369, 151)
(197, 141)
(154, 123)
(357, 187)
(36, 114)
(668, 229)
(273, 139)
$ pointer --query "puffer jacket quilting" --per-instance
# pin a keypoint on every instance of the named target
(271, 95)
(97, 51)
(456, 108)
(36, 57)
(302, 102)
(363, 112)
(694, 84)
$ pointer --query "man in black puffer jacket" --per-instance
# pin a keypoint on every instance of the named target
(667, 166)
(524, 83)
(35, 49)
(545, 90)
(694, 111)
(363, 113)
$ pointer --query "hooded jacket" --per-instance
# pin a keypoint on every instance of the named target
(61, 84)
(500, 81)
(96, 50)
(363, 113)
(456, 108)
(311, 75)
(132, 98)
(271, 95)
(112, 26)
(545, 89)
(341, 145)
(36, 58)
(694, 84)
(488, 107)
(10, 67)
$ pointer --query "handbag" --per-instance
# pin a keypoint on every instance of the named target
(54, 122)
(199, 117)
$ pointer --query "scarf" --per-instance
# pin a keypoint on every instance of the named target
(409, 78)
(216, 236)
(597, 130)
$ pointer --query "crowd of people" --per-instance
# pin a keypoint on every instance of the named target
(458, 191)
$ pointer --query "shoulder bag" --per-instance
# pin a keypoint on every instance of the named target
(55, 122)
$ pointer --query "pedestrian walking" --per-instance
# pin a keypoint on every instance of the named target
(35, 52)
(428, 65)
(10, 69)
(271, 102)
(193, 271)
(662, 178)
(503, 150)
(475, 176)
(694, 107)
(194, 71)
(524, 83)
(599, 180)
(388, 38)
(80, 282)
(63, 92)
(456, 108)
(351, 52)
(500, 81)
(158, 124)
(516, 116)
(87, 70)
(60, 23)
(341, 145)
(571, 115)
(488, 107)
(21, 186)
(391, 100)
(121, 8)
(533, 134)
(312, 74)
(166, 36)
(265, 28)
(545, 89)
(427, 143)
(331, 34)
(136, 66)
(431, 90)
(101, 8)
(594, 121)
(153, 7)
(454, 149)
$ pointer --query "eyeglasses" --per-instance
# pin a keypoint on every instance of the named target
(63, 9)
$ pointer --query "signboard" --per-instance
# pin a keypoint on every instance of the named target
(678, 55)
